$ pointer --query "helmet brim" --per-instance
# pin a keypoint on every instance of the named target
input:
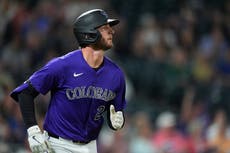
(113, 22)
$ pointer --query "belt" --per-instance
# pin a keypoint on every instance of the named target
(74, 141)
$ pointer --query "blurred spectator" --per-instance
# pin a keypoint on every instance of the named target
(167, 138)
(193, 121)
(218, 133)
(213, 44)
(177, 77)
(141, 137)
(197, 142)
(15, 60)
(116, 142)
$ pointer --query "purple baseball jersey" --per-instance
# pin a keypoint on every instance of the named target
(79, 95)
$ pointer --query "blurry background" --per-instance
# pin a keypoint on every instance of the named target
(175, 54)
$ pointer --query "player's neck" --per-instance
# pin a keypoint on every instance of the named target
(92, 57)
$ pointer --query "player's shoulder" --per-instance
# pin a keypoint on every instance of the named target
(112, 65)
(65, 58)
(70, 55)
(63, 61)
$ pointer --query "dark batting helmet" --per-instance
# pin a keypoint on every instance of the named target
(85, 26)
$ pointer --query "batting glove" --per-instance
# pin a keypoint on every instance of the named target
(37, 142)
(116, 118)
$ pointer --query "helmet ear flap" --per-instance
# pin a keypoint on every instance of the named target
(92, 37)
(85, 38)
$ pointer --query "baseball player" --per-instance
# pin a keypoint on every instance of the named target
(83, 85)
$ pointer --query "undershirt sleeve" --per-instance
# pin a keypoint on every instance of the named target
(26, 103)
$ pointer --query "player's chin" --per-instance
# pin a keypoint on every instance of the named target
(110, 43)
(108, 46)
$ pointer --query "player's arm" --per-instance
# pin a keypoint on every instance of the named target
(35, 137)
(116, 120)
(26, 102)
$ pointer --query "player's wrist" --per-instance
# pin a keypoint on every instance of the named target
(33, 130)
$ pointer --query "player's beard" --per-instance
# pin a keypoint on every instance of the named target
(102, 44)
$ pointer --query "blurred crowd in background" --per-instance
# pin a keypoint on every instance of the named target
(175, 55)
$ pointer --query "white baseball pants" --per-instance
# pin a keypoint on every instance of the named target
(61, 145)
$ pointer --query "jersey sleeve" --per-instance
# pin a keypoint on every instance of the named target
(43, 80)
(46, 78)
(19, 89)
(120, 102)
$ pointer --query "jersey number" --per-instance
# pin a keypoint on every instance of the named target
(100, 110)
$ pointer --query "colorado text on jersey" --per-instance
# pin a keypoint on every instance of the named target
(90, 92)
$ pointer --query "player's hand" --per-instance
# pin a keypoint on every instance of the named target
(37, 142)
(116, 118)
